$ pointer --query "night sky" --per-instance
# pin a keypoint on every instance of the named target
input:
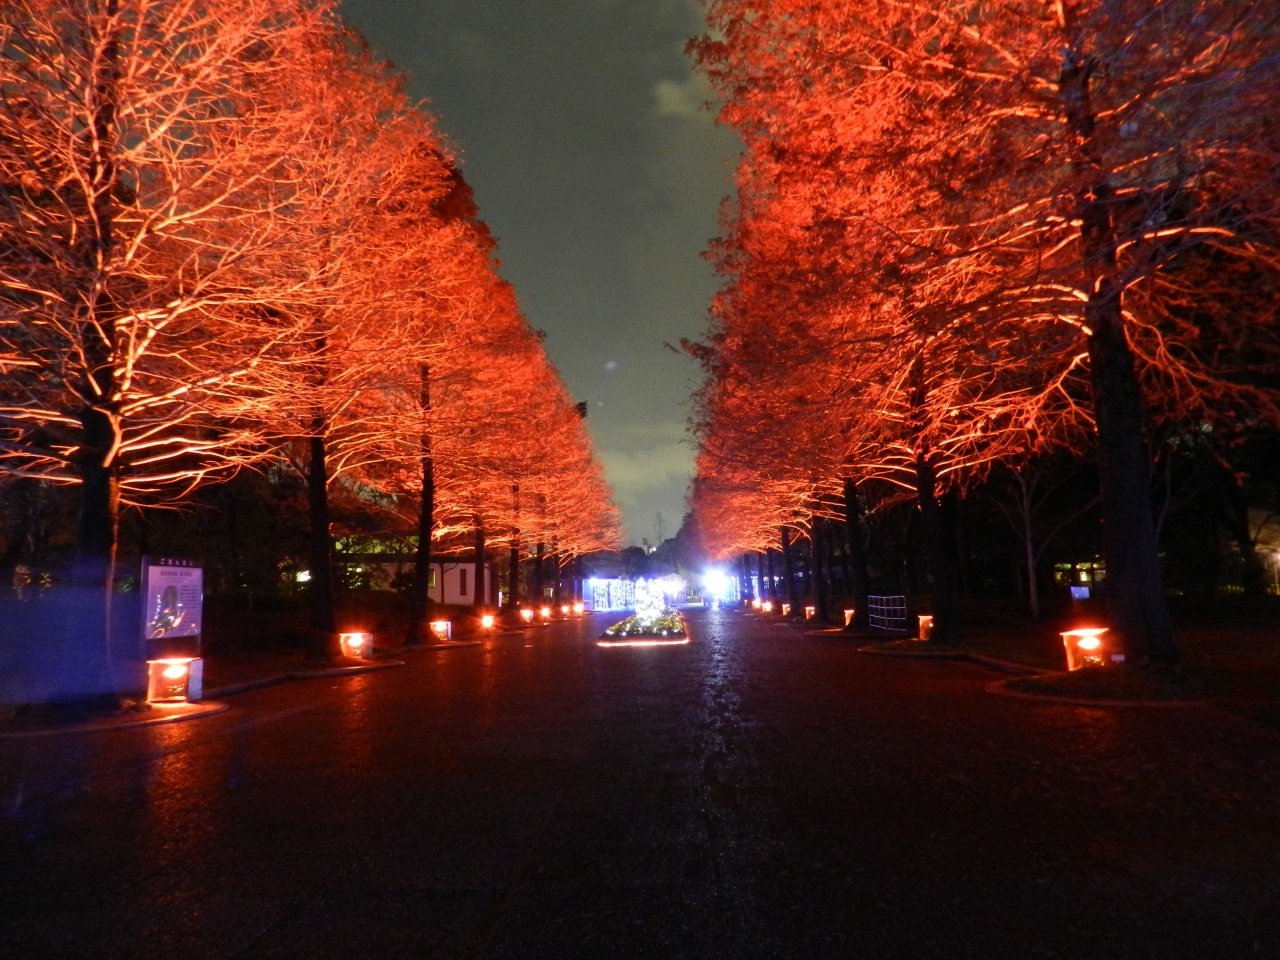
(580, 128)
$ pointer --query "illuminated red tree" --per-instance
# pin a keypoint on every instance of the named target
(1027, 218)
(478, 407)
(148, 235)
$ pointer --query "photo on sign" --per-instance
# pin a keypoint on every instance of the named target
(173, 598)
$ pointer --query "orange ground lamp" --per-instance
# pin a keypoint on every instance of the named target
(1087, 647)
(926, 627)
(174, 679)
(357, 645)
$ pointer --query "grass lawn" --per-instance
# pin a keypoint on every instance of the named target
(1234, 662)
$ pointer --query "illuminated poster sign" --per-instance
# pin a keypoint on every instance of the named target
(172, 605)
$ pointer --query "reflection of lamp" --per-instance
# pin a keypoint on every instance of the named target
(174, 679)
(442, 630)
(926, 627)
(1086, 648)
(579, 607)
(848, 618)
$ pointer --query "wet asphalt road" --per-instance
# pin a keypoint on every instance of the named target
(758, 793)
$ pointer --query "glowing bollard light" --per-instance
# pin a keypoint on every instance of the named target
(564, 610)
(545, 613)
(766, 607)
(487, 621)
(442, 630)
(1087, 648)
(848, 618)
(526, 615)
(926, 627)
(174, 679)
(579, 608)
(786, 609)
(357, 645)
(810, 612)
(755, 604)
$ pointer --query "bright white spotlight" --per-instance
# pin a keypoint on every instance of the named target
(716, 582)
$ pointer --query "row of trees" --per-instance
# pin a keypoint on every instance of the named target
(970, 234)
(229, 241)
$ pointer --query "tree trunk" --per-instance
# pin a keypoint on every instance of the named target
(953, 517)
(857, 556)
(93, 574)
(937, 554)
(1237, 524)
(478, 585)
(420, 600)
(539, 574)
(788, 569)
(1135, 599)
(1028, 542)
(816, 551)
(513, 576)
(324, 621)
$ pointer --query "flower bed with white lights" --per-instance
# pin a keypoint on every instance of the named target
(653, 625)
(669, 625)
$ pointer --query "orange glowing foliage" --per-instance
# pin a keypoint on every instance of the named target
(967, 232)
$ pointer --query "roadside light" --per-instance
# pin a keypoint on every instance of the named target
(848, 618)
(442, 630)
(786, 609)
(755, 604)
(545, 613)
(766, 607)
(564, 609)
(1086, 647)
(810, 612)
(174, 679)
(487, 621)
(526, 615)
(356, 645)
(716, 583)
(926, 627)
(579, 607)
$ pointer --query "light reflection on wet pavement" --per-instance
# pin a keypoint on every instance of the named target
(757, 793)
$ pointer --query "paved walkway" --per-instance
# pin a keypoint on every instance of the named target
(758, 793)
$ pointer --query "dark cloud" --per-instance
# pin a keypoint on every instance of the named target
(580, 129)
